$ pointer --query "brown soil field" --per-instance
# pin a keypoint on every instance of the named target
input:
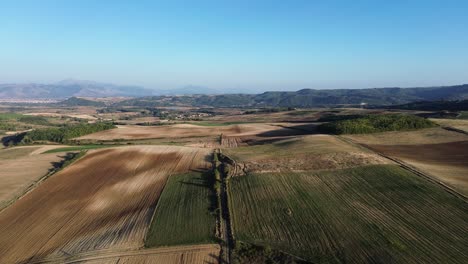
(21, 167)
(105, 200)
(446, 161)
(313, 152)
(423, 136)
(190, 130)
(191, 254)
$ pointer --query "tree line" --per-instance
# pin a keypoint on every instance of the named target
(376, 123)
(58, 134)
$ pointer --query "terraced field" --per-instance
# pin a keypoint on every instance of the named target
(184, 214)
(378, 213)
(104, 201)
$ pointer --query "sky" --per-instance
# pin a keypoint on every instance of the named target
(236, 45)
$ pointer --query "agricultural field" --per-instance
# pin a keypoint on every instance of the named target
(21, 168)
(103, 201)
(423, 136)
(313, 152)
(378, 213)
(448, 162)
(461, 124)
(184, 214)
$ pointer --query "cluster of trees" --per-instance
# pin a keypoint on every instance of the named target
(376, 123)
(62, 134)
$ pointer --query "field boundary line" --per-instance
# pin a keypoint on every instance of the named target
(38, 182)
(449, 128)
(412, 169)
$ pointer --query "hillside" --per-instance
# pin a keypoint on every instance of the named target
(310, 97)
(461, 105)
(69, 88)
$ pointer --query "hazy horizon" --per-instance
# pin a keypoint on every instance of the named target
(244, 46)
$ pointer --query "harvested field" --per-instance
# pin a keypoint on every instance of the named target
(314, 152)
(455, 123)
(21, 167)
(208, 253)
(103, 201)
(188, 130)
(379, 213)
(422, 136)
(446, 161)
(184, 214)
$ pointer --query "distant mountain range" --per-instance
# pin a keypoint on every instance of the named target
(70, 87)
(310, 98)
(202, 96)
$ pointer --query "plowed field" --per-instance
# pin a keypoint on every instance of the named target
(103, 201)
(446, 161)
(20, 168)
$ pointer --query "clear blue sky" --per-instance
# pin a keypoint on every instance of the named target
(257, 45)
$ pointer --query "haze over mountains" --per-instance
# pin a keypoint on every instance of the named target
(70, 87)
(210, 97)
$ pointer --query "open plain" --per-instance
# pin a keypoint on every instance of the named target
(103, 201)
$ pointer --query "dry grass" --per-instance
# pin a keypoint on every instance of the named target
(455, 123)
(446, 161)
(314, 152)
(423, 136)
(103, 201)
(20, 169)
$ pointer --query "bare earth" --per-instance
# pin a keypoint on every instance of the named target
(103, 201)
(186, 130)
(21, 167)
(191, 254)
(446, 161)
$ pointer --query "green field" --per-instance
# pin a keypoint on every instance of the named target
(184, 212)
(9, 116)
(378, 213)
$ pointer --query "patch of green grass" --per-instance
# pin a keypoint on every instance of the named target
(463, 115)
(77, 148)
(378, 213)
(184, 212)
(9, 116)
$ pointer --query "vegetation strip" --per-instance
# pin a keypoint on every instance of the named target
(183, 214)
(225, 231)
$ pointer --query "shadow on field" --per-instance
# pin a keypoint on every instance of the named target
(296, 130)
(206, 180)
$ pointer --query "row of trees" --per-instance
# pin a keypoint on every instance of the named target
(62, 134)
(376, 123)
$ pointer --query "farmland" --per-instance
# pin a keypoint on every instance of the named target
(284, 191)
(103, 201)
(446, 161)
(365, 214)
(20, 169)
(185, 197)
(314, 152)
